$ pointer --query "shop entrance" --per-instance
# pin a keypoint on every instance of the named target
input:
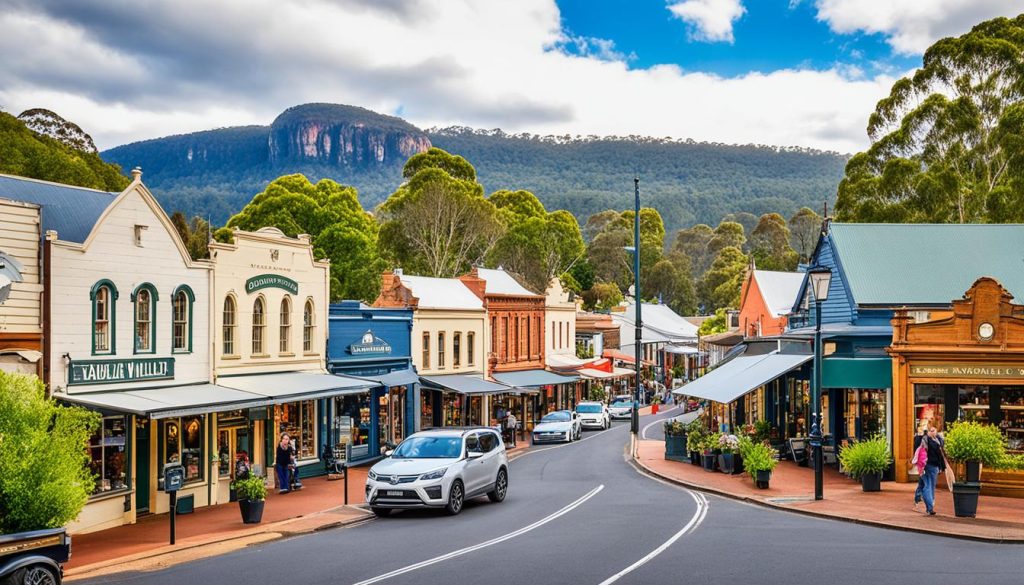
(940, 404)
(142, 469)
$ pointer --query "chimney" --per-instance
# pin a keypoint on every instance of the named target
(137, 174)
(394, 294)
(474, 283)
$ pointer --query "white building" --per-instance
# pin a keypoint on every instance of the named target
(21, 286)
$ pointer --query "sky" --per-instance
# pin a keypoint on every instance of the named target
(780, 72)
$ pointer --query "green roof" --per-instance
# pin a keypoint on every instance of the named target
(926, 264)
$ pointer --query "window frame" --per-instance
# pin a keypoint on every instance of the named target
(260, 328)
(284, 326)
(470, 354)
(226, 327)
(154, 298)
(425, 339)
(456, 349)
(111, 321)
(203, 457)
(440, 350)
(309, 327)
(190, 298)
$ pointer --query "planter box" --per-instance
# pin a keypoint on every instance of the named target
(965, 499)
(695, 457)
(871, 482)
(252, 510)
(730, 463)
(675, 448)
(710, 462)
(761, 479)
(973, 471)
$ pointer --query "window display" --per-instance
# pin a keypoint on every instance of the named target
(183, 443)
(452, 409)
(107, 455)
(426, 409)
(356, 409)
(298, 419)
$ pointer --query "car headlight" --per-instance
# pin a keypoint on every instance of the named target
(436, 474)
(370, 474)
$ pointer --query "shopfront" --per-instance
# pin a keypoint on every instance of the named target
(963, 364)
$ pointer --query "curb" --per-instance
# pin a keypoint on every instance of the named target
(644, 469)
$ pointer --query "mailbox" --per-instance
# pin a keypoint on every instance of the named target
(174, 477)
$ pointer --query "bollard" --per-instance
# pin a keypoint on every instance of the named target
(345, 471)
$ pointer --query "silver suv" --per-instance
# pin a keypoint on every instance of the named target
(440, 468)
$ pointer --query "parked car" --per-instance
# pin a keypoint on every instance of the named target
(621, 409)
(593, 415)
(622, 398)
(440, 468)
(34, 558)
(560, 425)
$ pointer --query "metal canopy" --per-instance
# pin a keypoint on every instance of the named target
(465, 384)
(533, 378)
(404, 377)
(290, 386)
(741, 375)
(169, 402)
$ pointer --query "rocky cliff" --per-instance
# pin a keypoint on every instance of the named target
(47, 123)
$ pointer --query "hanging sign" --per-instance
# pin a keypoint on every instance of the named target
(271, 281)
(81, 373)
(370, 345)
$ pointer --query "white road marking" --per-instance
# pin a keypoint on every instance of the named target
(695, 521)
(488, 543)
(643, 432)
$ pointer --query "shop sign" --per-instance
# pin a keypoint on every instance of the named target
(979, 371)
(116, 371)
(271, 281)
(370, 345)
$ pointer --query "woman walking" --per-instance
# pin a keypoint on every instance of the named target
(919, 461)
(282, 464)
(934, 462)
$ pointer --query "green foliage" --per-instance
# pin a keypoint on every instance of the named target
(695, 435)
(252, 489)
(974, 441)
(723, 282)
(693, 243)
(602, 297)
(717, 324)
(728, 234)
(596, 392)
(758, 457)
(536, 245)
(674, 428)
(583, 272)
(711, 443)
(864, 457)
(331, 214)
(44, 475)
(1010, 463)
(194, 233)
(769, 244)
(946, 142)
(27, 154)
(804, 231)
(455, 166)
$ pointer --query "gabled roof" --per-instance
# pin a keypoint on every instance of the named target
(779, 289)
(500, 282)
(661, 319)
(442, 293)
(926, 264)
(70, 211)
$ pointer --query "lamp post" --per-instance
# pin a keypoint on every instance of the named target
(634, 427)
(821, 278)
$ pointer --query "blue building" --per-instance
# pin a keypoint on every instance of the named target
(373, 344)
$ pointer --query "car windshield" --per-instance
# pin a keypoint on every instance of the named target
(560, 416)
(429, 448)
(589, 408)
(621, 404)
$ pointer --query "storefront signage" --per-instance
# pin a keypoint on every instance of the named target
(116, 371)
(271, 281)
(972, 371)
(370, 345)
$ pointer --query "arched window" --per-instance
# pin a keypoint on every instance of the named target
(457, 349)
(145, 299)
(308, 326)
(104, 317)
(285, 328)
(230, 323)
(182, 320)
(259, 325)
(469, 348)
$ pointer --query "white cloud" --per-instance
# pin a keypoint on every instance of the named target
(711, 19)
(911, 26)
(125, 74)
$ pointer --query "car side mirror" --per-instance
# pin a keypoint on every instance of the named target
(388, 452)
(474, 455)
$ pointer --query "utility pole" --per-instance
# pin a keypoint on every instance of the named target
(635, 422)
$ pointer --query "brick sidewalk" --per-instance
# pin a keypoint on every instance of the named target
(792, 489)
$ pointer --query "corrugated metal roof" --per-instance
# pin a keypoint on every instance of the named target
(442, 293)
(927, 264)
(661, 319)
(779, 289)
(500, 282)
(70, 211)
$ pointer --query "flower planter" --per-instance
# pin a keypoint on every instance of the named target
(675, 448)
(252, 510)
(761, 479)
(695, 457)
(710, 461)
(965, 499)
(654, 408)
(871, 482)
(973, 472)
(727, 463)
(232, 495)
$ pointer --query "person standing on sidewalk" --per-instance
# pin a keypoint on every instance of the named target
(919, 461)
(282, 464)
(933, 464)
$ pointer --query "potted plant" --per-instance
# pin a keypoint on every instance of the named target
(252, 495)
(655, 401)
(759, 460)
(695, 441)
(973, 444)
(710, 449)
(675, 441)
(727, 461)
(867, 460)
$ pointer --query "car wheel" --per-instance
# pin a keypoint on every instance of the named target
(381, 512)
(456, 498)
(500, 487)
(34, 575)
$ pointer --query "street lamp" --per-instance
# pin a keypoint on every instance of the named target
(821, 278)
(634, 427)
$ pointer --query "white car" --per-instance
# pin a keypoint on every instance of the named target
(560, 425)
(439, 468)
(593, 415)
(621, 409)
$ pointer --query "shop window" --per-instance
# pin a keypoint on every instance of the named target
(183, 443)
(285, 325)
(107, 455)
(259, 325)
(298, 419)
(230, 323)
(352, 421)
(470, 347)
(145, 299)
(426, 351)
(440, 351)
(182, 322)
(494, 337)
(426, 409)
(104, 317)
(456, 349)
(233, 444)
(308, 326)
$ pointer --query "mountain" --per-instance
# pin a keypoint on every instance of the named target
(216, 172)
(48, 147)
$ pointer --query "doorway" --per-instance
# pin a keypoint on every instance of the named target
(142, 469)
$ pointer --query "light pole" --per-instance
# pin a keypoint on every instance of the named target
(821, 278)
(635, 423)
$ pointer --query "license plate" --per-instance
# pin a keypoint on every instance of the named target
(394, 493)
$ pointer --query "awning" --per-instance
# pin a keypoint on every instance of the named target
(681, 350)
(405, 377)
(465, 384)
(29, 355)
(565, 362)
(592, 374)
(875, 372)
(169, 402)
(533, 378)
(624, 357)
(740, 375)
(290, 386)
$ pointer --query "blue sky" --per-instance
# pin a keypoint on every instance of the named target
(769, 36)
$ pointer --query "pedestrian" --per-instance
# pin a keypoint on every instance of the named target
(282, 464)
(918, 462)
(510, 424)
(293, 468)
(934, 462)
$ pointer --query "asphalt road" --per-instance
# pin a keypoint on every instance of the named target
(582, 514)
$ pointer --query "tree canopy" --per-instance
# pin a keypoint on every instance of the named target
(769, 244)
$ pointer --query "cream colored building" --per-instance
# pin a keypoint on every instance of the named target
(21, 324)
(559, 321)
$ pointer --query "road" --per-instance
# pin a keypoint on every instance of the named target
(582, 514)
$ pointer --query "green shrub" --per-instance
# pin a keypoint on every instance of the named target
(974, 441)
(758, 457)
(252, 488)
(674, 428)
(1010, 463)
(695, 437)
(711, 442)
(44, 474)
(656, 399)
(867, 456)
(597, 393)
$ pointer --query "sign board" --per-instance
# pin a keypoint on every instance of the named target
(261, 413)
(370, 344)
(271, 281)
(174, 477)
(970, 371)
(84, 372)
